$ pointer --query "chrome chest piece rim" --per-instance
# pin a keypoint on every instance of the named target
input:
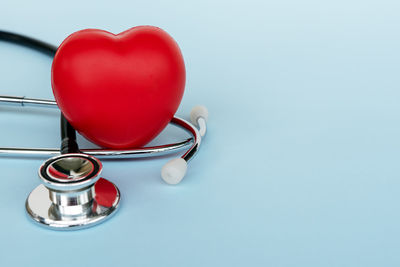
(72, 194)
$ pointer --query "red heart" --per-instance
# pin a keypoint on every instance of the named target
(119, 91)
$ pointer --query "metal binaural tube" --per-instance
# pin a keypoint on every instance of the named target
(101, 153)
(23, 101)
(196, 137)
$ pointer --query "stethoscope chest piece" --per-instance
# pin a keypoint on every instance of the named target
(72, 194)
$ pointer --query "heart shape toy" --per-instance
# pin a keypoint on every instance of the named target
(119, 91)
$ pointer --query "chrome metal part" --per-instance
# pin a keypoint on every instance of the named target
(72, 194)
(101, 153)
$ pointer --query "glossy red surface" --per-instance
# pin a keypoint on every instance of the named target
(105, 193)
(119, 91)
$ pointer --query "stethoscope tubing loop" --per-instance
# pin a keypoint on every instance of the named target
(193, 142)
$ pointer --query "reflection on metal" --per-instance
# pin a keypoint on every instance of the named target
(72, 194)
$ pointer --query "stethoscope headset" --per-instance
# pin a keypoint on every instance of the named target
(72, 195)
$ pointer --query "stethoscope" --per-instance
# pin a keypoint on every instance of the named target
(72, 195)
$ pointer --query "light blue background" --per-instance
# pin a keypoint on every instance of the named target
(300, 166)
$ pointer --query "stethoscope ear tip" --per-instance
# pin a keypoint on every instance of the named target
(197, 113)
(174, 171)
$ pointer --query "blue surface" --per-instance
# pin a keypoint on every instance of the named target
(300, 166)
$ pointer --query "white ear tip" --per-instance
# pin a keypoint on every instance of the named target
(174, 171)
(197, 112)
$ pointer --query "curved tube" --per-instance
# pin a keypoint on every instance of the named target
(174, 170)
(145, 152)
(196, 137)
(28, 42)
(105, 153)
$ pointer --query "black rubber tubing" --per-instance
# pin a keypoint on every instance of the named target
(68, 133)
